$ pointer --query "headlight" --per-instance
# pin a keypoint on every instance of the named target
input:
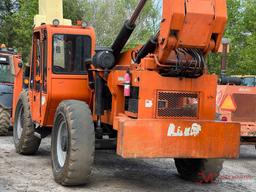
(55, 22)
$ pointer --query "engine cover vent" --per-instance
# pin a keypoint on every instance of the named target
(177, 104)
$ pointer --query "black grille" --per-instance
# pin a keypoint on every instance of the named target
(133, 105)
(177, 104)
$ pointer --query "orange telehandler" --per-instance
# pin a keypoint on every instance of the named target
(157, 101)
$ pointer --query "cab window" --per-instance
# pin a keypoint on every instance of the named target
(70, 53)
(6, 69)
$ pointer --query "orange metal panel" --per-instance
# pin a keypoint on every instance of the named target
(65, 87)
(18, 82)
(220, 21)
(191, 24)
(198, 21)
(205, 86)
(151, 138)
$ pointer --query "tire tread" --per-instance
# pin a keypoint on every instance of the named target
(200, 168)
(28, 143)
(78, 167)
(4, 121)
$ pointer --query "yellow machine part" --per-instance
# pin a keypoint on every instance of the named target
(50, 10)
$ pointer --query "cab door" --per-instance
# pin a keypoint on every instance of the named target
(38, 85)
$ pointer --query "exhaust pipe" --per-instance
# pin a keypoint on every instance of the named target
(224, 57)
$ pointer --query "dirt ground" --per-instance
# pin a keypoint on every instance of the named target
(112, 173)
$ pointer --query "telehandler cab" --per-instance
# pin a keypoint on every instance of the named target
(156, 102)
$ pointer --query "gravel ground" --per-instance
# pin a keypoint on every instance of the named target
(112, 173)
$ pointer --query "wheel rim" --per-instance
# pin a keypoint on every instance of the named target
(62, 143)
(20, 123)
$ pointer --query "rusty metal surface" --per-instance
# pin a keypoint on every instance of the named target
(248, 129)
(152, 138)
(246, 107)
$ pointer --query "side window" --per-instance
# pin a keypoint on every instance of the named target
(35, 62)
(38, 57)
(6, 69)
(31, 64)
(45, 63)
(38, 64)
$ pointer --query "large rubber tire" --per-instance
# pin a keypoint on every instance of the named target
(77, 142)
(25, 141)
(4, 121)
(199, 170)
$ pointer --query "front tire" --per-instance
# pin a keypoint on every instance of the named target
(73, 143)
(4, 121)
(25, 141)
(199, 170)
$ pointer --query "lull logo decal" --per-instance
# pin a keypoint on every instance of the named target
(192, 131)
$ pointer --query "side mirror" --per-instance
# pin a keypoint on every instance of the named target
(20, 65)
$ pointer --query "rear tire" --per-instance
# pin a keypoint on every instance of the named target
(73, 143)
(4, 121)
(199, 170)
(25, 141)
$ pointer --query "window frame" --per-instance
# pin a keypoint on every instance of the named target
(32, 83)
(45, 62)
(69, 73)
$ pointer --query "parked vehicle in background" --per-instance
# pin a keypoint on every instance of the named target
(8, 58)
(236, 101)
(248, 80)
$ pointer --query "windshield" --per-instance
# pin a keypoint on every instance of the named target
(249, 81)
(70, 53)
(6, 71)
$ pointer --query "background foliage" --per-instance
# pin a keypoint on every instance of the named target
(107, 16)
